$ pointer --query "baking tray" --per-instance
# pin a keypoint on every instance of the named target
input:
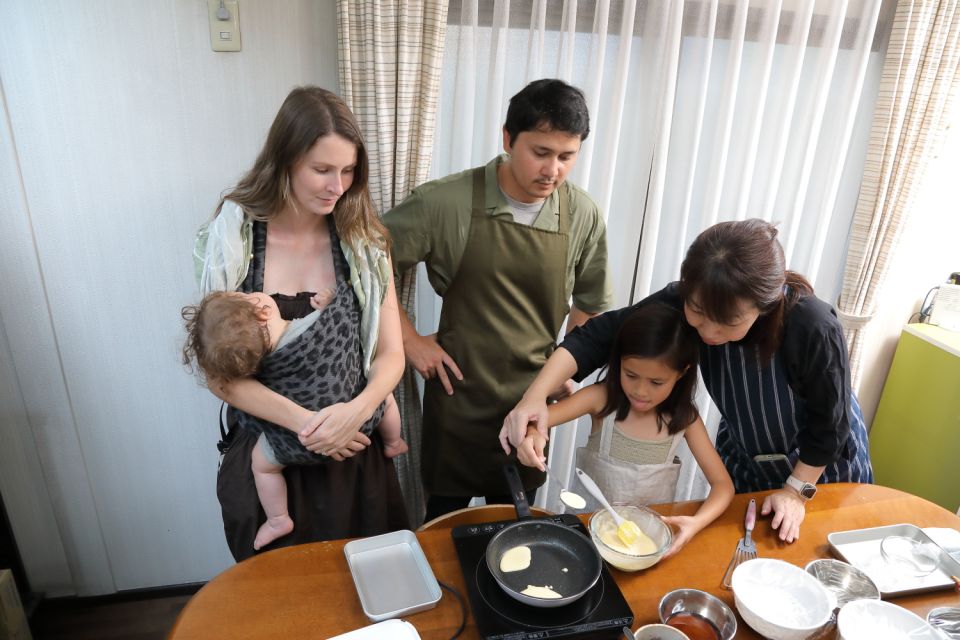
(391, 575)
(861, 548)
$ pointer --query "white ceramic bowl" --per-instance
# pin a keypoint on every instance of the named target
(659, 632)
(872, 619)
(779, 600)
(649, 521)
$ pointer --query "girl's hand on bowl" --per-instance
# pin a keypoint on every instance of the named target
(788, 512)
(684, 528)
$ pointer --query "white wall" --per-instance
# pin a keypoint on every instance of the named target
(119, 127)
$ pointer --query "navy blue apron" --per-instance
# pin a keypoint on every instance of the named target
(762, 415)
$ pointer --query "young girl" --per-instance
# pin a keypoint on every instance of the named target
(640, 411)
(232, 335)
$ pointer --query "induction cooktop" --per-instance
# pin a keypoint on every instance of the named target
(601, 613)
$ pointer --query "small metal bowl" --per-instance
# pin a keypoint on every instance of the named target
(946, 619)
(844, 581)
(700, 604)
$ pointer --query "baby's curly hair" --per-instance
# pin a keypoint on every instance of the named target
(225, 339)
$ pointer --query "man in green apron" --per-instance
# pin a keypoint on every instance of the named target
(506, 245)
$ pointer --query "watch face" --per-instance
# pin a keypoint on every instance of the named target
(808, 491)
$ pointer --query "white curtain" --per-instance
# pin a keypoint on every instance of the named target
(701, 111)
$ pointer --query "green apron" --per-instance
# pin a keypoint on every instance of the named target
(500, 319)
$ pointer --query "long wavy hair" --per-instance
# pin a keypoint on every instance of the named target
(743, 260)
(308, 114)
(657, 331)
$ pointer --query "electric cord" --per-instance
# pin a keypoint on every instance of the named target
(925, 306)
(463, 608)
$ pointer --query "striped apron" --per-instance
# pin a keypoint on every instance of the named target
(761, 414)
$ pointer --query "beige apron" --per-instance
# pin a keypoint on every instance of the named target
(500, 318)
(623, 481)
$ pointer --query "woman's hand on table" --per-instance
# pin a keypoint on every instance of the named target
(788, 510)
(335, 431)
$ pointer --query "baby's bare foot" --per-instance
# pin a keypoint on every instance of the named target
(322, 298)
(395, 448)
(273, 528)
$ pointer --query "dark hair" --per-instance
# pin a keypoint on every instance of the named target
(743, 260)
(548, 104)
(306, 115)
(225, 339)
(658, 331)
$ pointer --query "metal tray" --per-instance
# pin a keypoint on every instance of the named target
(861, 548)
(391, 575)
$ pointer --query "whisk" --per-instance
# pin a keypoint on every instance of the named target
(746, 549)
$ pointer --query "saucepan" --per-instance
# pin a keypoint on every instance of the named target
(561, 558)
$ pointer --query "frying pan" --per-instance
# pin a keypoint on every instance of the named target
(560, 557)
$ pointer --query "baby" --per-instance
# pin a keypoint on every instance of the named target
(228, 334)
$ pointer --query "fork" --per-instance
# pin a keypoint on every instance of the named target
(746, 548)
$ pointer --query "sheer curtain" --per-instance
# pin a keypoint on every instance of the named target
(701, 111)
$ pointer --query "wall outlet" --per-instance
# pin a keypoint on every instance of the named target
(224, 17)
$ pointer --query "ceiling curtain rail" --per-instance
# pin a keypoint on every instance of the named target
(554, 17)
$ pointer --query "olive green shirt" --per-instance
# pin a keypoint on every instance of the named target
(433, 223)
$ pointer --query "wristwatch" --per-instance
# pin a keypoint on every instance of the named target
(805, 489)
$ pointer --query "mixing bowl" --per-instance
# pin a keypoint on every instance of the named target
(779, 600)
(846, 582)
(873, 619)
(946, 620)
(699, 604)
(602, 527)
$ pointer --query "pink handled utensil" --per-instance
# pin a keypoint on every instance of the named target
(746, 548)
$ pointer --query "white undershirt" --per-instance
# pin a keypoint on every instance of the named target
(523, 212)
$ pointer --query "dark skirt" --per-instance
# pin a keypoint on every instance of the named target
(358, 497)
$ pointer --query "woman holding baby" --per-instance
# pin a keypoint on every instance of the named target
(298, 224)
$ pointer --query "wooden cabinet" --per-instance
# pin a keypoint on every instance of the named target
(915, 438)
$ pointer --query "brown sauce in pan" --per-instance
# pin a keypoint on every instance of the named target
(696, 627)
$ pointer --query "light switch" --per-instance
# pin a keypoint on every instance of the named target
(224, 17)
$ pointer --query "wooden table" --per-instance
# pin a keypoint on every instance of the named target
(306, 591)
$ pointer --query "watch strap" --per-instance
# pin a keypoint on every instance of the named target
(806, 490)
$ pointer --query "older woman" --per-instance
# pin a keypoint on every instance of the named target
(300, 222)
(772, 357)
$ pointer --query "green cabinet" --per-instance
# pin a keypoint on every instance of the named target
(915, 437)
